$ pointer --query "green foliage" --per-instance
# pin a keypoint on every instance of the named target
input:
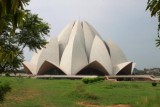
(4, 88)
(14, 8)
(19, 29)
(154, 7)
(91, 80)
(158, 42)
(86, 80)
(31, 34)
(154, 83)
(7, 74)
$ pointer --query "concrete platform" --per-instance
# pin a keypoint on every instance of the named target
(124, 77)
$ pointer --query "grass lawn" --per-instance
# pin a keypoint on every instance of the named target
(74, 93)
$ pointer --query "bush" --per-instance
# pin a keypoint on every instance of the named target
(7, 74)
(91, 80)
(154, 84)
(4, 88)
(85, 80)
(100, 78)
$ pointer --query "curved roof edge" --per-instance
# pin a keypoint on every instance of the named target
(74, 57)
(100, 53)
(47, 54)
(96, 65)
(77, 33)
(46, 66)
(121, 66)
(89, 37)
(35, 57)
(133, 66)
(64, 36)
(117, 55)
(93, 29)
(29, 67)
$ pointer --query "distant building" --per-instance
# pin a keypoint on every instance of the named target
(79, 50)
(152, 71)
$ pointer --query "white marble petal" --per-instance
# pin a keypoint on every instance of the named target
(89, 37)
(63, 37)
(79, 46)
(74, 57)
(117, 55)
(100, 54)
(50, 53)
(29, 67)
(120, 66)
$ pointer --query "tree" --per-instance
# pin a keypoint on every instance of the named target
(18, 29)
(14, 8)
(31, 34)
(154, 7)
(12, 13)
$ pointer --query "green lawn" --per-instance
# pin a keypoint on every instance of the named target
(74, 93)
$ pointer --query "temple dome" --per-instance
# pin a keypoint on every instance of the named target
(79, 50)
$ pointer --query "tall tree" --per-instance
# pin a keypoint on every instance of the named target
(31, 34)
(18, 29)
(14, 8)
(154, 7)
(12, 13)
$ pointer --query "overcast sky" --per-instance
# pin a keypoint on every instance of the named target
(125, 22)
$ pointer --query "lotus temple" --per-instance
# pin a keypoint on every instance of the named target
(79, 50)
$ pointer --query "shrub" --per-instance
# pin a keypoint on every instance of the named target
(154, 83)
(7, 74)
(4, 88)
(85, 80)
(91, 80)
(100, 78)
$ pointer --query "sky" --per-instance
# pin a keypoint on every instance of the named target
(125, 22)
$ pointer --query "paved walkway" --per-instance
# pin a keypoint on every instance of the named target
(148, 77)
(152, 78)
